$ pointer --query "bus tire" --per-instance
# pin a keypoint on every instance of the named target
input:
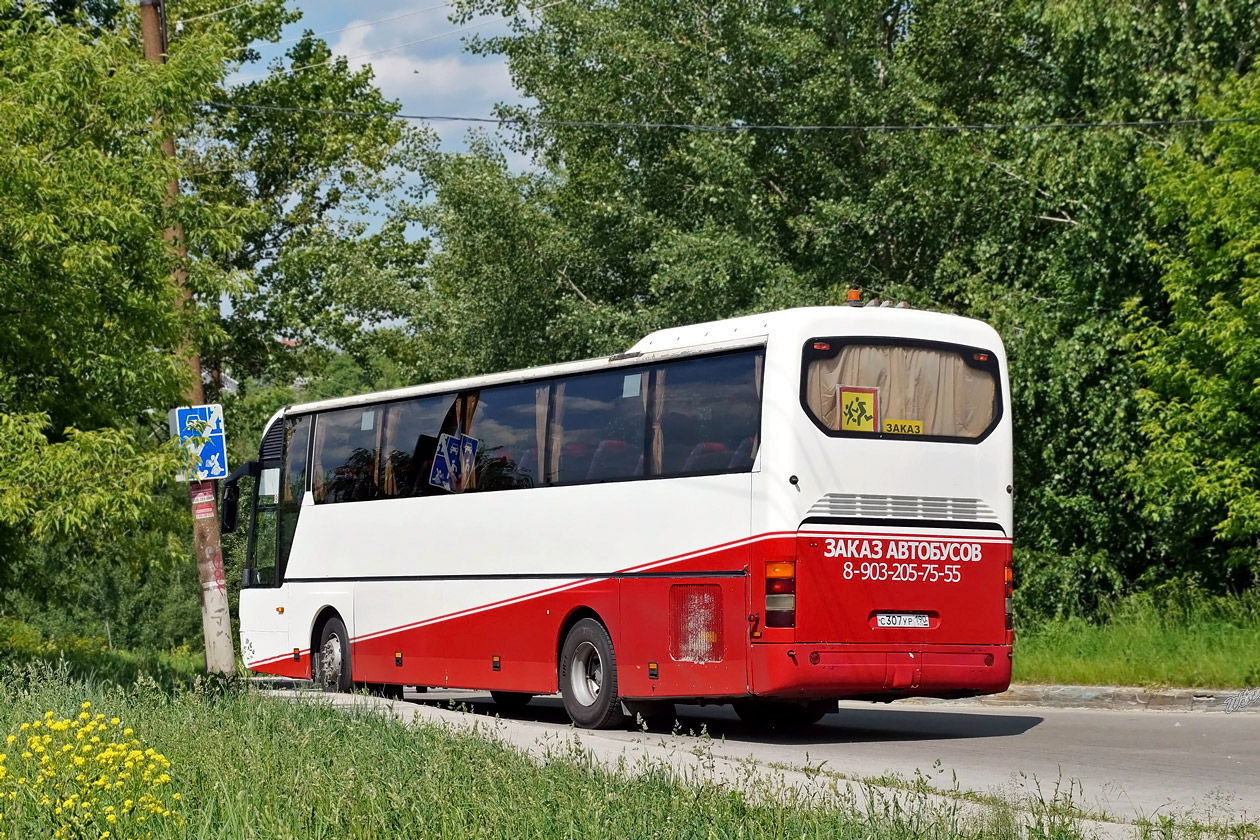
(588, 677)
(330, 661)
(511, 701)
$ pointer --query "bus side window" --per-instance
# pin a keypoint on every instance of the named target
(346, 450)
(410, 442)
(598, 430)
(508, 421)
(706, 415)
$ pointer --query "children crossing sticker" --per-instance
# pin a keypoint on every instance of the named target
(857, 408)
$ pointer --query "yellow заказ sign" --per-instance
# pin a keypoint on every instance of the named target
(903, 427)
(857, 408)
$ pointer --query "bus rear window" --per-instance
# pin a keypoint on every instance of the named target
(896, 388)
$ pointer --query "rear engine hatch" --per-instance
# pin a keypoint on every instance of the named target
(881, 586)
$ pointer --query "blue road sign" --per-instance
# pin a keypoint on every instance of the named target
(205, 422)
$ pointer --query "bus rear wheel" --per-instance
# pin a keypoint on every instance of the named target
(330, 661)
(588, 677)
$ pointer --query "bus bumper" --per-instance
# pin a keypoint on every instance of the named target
(814, 671)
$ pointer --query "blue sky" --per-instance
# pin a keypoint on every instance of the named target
(435, 76)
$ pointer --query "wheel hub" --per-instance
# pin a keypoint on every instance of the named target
(330, 662)
(586, 674)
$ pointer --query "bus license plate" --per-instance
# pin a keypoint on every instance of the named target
(901, 620)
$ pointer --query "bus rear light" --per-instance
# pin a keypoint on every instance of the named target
(781, 586)
(781, 569)
(781, 593)
(821, 345)
(780, 603)
(1008, 582)
(780, 618)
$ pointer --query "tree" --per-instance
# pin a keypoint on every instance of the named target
(1201, 361)
(92, 336)
(1043, 233)
(330, 262)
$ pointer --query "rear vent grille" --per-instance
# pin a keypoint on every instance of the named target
(273, 444)
(902, 507)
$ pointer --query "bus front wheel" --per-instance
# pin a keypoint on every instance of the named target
(588, 677)
(330, 665)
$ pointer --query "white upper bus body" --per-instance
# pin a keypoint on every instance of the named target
(899, 533)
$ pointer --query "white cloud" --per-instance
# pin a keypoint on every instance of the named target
(433, 77)
(428, 73)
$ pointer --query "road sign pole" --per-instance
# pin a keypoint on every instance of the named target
(215, 620)
(200, 428)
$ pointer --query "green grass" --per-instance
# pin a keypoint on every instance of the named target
(250, 766)
(89, 658)
(1153, 639)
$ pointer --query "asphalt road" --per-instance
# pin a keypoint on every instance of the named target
(1128, 764)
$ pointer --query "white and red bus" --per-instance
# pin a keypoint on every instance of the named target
(775, 511)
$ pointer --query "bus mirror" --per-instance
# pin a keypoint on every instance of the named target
(228, 510)
(232, 493)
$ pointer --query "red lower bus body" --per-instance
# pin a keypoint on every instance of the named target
(694, 629)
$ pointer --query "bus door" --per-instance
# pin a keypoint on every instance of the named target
(264, 624)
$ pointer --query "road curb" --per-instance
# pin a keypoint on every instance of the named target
(1125, 698)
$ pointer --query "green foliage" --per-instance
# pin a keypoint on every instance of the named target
(82, 193)
(327, 255)
(1043, 233)
(1055, 586)
(91, 483)
(1201, 362)
(27, 650)
(296, 768)
(1172, 634)
(92, 337)
(89, 521)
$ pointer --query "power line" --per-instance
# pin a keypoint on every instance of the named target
(214, 14)
(744, 128)
(448, 33)
(369, 23)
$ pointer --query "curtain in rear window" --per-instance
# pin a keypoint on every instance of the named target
(932, 389)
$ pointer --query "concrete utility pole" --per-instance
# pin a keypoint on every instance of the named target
(216, 622)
